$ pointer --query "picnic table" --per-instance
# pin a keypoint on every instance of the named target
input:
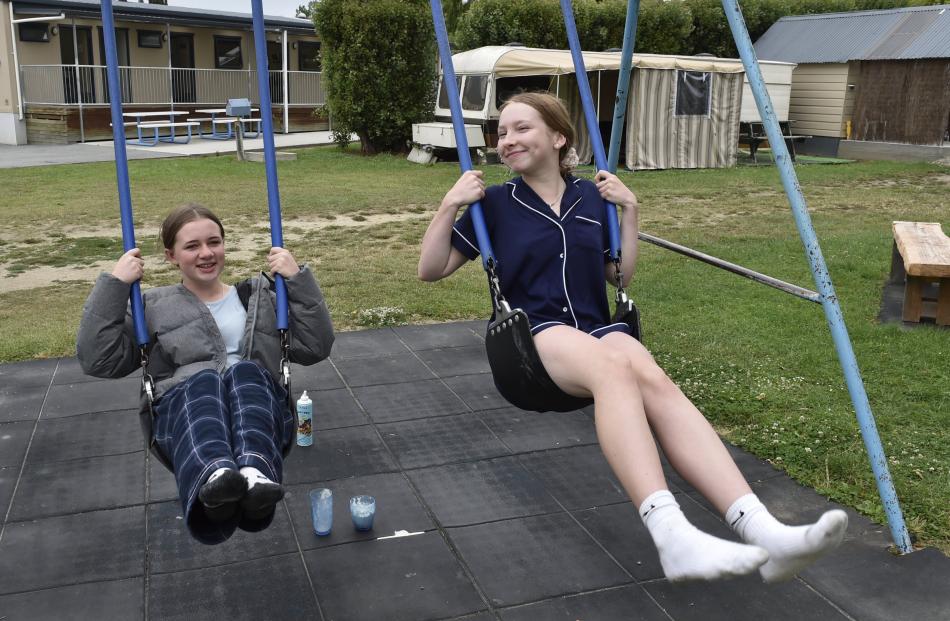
(142, 121)
(753, 134)
(227, 121)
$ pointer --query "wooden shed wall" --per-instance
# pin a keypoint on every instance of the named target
(818, 99)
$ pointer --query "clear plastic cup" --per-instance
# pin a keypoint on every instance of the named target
(321, 510)
(362, 511)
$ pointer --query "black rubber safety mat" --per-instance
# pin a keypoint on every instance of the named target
(366, 343)
(477, 391)
(8, 478)
(754, 469)
(333, 409)
(578, 477)
(338, 453)
(96, 434)
(20, 403)
(441, 440)
(482, 491)
(98, 396)
(533, 558)
(619, 529)
(269, 588)
(438, 336)
(68, 371)
(746, 597)
(525, 431)
(28, 373)
(70, 549)
(161, 482)
(171, 548)
(116, 599)
(397, 508)
(629, 603)
(410, 578)
(394, 402)
(74, 486)
(320, 376)
(454, 361)
(382, 370)
(14, 438)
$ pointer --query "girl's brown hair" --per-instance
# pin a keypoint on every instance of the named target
(179, 217)
(555, 116)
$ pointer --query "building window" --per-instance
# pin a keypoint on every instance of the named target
(310, 58)
(693, 93)
(36, 33)
(227, 53)
(150, 38)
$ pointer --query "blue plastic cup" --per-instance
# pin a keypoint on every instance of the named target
(362, 511)
(321, 510)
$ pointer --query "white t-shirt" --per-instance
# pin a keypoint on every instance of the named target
(230, 315)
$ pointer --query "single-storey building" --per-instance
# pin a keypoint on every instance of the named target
(53, 79)
(868, 83)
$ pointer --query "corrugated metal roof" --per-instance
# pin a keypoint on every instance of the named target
(897, 34)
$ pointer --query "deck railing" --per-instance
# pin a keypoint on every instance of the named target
(86, 85)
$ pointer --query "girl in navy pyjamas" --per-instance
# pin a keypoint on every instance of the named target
(548, 233)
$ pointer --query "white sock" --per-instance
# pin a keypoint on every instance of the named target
(790, 548)
(254, 476)
(687, 553)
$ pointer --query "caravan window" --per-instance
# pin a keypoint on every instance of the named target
(443, 95)
(693, 93)
(506, 87)
(473, 94)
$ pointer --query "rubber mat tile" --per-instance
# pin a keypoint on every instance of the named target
(746, 597)
(338, 453)
(790, 502)
(70, 372)
(578, 477)
(863, 579)
(98, 396)
(382, 370)
(88, 435)
(28, 373)
(171, 548)
(438, 336)
(533, 558)
(753, 468)
(457, 360)
(333, 409)
(18, 403)
(441, 440)
(621, 532)
(69, 549)
(477, 391)
(395, 402)
(8, 478)
(80, 485)
(117, 599)
(483, 491)
(161, 482)
(366, 343)
(320, 376)
(530, 431)
(14, 438)
(268, 588)
(403, 579)
(629, 603)
(397, 508)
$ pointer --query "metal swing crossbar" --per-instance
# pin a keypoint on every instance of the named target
(826, 294)
(125, 198)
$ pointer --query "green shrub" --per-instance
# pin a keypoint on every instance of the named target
(379, 68)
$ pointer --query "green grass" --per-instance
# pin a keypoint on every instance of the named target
(759, 363)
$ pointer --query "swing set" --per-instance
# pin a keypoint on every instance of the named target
(516, 367)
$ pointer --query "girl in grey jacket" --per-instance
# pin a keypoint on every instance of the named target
(219, 420)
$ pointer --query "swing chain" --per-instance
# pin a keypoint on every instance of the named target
(148, 385)
(494, 285)
(285, 358)
(618, 276)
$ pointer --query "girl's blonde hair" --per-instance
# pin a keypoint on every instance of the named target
(555, 116)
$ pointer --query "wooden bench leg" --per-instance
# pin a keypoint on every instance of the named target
(913, 298)
(943, 302)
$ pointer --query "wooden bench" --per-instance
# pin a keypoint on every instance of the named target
(157, 125)
(921, 256)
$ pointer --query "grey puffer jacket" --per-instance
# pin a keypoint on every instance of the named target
(184, 338)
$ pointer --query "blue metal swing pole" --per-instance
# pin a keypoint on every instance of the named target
(458, 124)
(829, 299)
(122, 165)
(623, 83)
(593, 126)
(270, 157)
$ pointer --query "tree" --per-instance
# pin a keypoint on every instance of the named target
(305, 11)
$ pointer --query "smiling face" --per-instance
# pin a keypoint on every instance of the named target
(199, 253)
(525, 142)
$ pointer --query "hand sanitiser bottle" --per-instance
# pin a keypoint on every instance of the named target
(304, 420)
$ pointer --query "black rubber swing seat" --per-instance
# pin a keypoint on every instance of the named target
(516, 367)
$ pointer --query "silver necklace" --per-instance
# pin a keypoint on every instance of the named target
(560, 194)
